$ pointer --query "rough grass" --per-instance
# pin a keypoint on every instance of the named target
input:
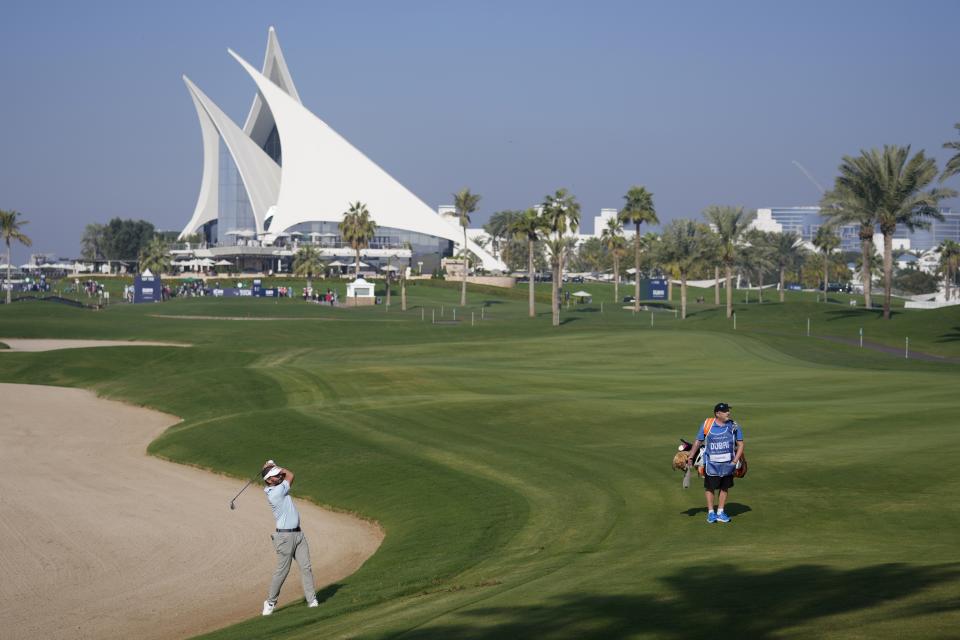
(522, 473)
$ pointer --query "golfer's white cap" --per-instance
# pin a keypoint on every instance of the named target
(273, 471)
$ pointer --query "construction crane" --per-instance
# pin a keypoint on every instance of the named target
(810, 177)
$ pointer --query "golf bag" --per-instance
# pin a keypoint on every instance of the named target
(683, 455)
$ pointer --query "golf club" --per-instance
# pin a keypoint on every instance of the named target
(233, 506)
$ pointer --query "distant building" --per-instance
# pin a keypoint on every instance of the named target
(286, 177)
(805, 221)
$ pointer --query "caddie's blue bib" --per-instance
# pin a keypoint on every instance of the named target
(721, 447)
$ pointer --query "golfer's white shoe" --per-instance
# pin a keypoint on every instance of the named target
(267, 607)
(313, 603)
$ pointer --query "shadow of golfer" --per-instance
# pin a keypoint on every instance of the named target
(733, 509)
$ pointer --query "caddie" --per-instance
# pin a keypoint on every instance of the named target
(722, 442)
(288, 540)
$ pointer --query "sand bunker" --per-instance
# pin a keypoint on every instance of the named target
(98, 540)
(30, 344)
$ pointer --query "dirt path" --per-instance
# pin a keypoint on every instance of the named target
(98, 540)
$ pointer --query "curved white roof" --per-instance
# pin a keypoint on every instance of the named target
(322, 172)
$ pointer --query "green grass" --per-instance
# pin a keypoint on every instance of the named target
(522, 473)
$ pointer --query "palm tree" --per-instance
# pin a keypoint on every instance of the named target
(827, 242)
(465, 203)
(638, 210)
(891, 184)
(682, 247)
(307, 263)
(154, 256)
(730, 223)
(10, 230)
(498, 228)
(615, 243)
(528, 226)
(787, 253)
(949, 262)
(358, 229)
(91, 243)
(953, 164)
(560, 213)
(760, 255)
(840, 207)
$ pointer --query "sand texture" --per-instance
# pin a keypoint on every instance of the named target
(98, 540)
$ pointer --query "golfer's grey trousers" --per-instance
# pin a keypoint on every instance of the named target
(291, 546)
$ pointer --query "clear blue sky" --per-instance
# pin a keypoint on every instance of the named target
(701, 102)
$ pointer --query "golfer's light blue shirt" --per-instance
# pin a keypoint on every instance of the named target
(280, 501)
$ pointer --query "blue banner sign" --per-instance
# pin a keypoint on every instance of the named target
(147, 288)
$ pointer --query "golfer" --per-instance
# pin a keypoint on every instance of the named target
(722, 442)
(288, 540)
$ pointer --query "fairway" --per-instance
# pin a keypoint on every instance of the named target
(521, 472)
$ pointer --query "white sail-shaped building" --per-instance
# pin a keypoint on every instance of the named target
(287, 177)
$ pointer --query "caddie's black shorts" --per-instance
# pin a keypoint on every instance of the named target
(712, 483)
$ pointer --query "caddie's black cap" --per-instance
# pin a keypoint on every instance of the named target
(722, 406)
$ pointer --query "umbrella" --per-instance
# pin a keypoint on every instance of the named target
(295, 233)
(336, 263)
(6, 266)
(28, 266)
(232, 232)
(389, 267)
(581, 294)
(247, 233)
(207, 262)
(223, 263)
(315, 234)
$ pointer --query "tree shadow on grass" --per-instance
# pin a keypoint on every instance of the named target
(709, 601)
(568, 320)
(856, 312)
(951, 336)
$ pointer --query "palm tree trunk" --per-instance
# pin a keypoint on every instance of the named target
(636, 273)
(782, 284)
(403, 294)
(555, 287)
(760, 280)
(463, 288)
(7, 285)
(356, 271)
(729, 274)
(887, 272)
(670, 286)
(866, 270)
(826, 274)
(716, 285)
(530, 276)
(616, 279)
(388, 288)
(683, 295)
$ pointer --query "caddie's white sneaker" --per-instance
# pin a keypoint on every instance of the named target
(267, 607)
(313, 603)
